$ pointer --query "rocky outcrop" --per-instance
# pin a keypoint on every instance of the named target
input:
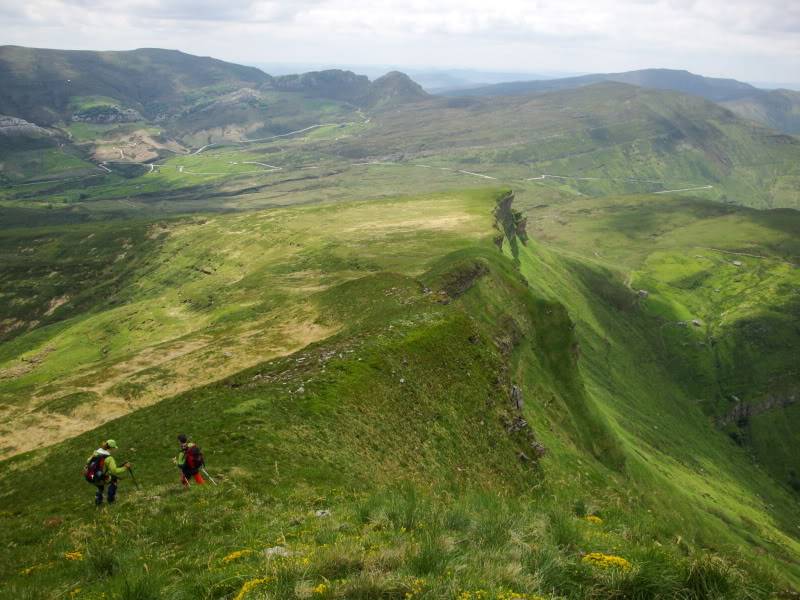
(12, 126)
(512, 223)
(333, 83)
(742, 411)
(392, 89)
(460, 279)
(107, 114)
(516, 397)
(518, 428)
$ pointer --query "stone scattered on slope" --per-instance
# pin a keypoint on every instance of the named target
(20, 127)
(516, 397)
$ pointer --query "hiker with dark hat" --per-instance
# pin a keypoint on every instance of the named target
(102, 469)
(189, 460)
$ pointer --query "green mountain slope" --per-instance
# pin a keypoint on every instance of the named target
(710, 88)
(139, 105)
(43, 86)
(779, 109)
(51, 86)
(715, 287)
(259, 136)
(602, 139)
(486, 418)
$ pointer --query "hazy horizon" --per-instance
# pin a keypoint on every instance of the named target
(743, 39)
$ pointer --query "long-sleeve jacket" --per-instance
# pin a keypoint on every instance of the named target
(110, 465)
(180, 460)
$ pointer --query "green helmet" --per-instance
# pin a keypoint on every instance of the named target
(111, 443)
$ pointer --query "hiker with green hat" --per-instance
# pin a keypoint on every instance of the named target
(102, 469)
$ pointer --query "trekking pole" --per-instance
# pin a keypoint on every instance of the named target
(211, 479)
(136, 483)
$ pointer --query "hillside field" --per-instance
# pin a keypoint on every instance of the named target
(540, 346)
(391, 457)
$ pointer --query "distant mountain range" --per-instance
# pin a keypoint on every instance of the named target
(432, 80)
(779, 109)
(41, 85)
(46, 87)
(149, 104)
(710, 88)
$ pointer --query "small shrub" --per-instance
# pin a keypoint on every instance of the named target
(457, 519)
(563, 530)
(142, 588)
(430, 556)
(337, 563)
(710, 576)
(552, 571)
(102, 562)
(405, 508)
(370, 586)
(656, 575)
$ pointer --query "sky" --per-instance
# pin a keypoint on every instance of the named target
(751, 40)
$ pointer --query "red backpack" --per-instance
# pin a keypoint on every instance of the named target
(95, 469)
(194, 458)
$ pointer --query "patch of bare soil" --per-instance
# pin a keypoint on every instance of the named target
(155, 374)
(25, 365)
(9, 325)
(444, 223)
(138, 146)
(55, 303)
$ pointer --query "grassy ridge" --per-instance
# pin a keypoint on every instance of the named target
(719, 306)
(404, 427)
(174, 298)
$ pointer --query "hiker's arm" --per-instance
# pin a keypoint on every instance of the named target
(180, 460)
(112, 468)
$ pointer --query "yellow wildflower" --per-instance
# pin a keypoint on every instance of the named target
(250, 586)
(510, 595)
(74, 592)
(417, 585)
(236, 555)
(594, 519)
(606, 561)
(476, 595)
(74, 555)
(320, 589)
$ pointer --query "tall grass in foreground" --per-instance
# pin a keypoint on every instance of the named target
(402, 542)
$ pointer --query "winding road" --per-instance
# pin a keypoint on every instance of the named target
(268, 168)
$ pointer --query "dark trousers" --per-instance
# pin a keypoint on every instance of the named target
(187, 473)
(112, 491)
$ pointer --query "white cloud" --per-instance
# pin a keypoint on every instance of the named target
(742, 38)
